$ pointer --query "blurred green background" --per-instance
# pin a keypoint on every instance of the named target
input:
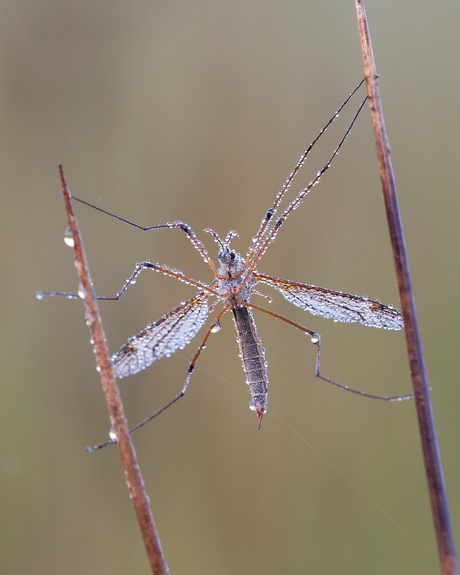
(198, 111)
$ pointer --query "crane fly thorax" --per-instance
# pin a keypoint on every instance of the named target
(232, 282)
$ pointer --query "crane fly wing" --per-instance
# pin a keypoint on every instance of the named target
(162, 338)
(337, 305)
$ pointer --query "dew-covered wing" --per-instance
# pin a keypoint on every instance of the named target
(162, 338)
(337, 305)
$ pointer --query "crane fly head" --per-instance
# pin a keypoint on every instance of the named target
(229, 259)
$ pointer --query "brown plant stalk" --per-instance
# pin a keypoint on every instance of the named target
(133, 475)
(433, 466)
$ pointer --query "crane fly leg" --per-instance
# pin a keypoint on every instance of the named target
(131, 280)
(316, 339)
(177, 224)
(190, 370)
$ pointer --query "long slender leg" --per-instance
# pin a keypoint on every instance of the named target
(316, 339)
(132, 279)
(270, 213)
(177, 224)
(190, 370)
(293, 205)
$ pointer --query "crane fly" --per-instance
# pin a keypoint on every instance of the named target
(233, 285)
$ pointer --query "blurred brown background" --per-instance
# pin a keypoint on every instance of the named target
(198, 111)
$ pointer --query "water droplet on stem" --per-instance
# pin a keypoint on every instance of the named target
(68, 238)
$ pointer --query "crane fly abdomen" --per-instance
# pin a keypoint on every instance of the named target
(253, 358)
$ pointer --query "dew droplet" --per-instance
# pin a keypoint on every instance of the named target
(216, 327)
(68, 238)
(315, 337)
(113, 433)
(81, 292)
